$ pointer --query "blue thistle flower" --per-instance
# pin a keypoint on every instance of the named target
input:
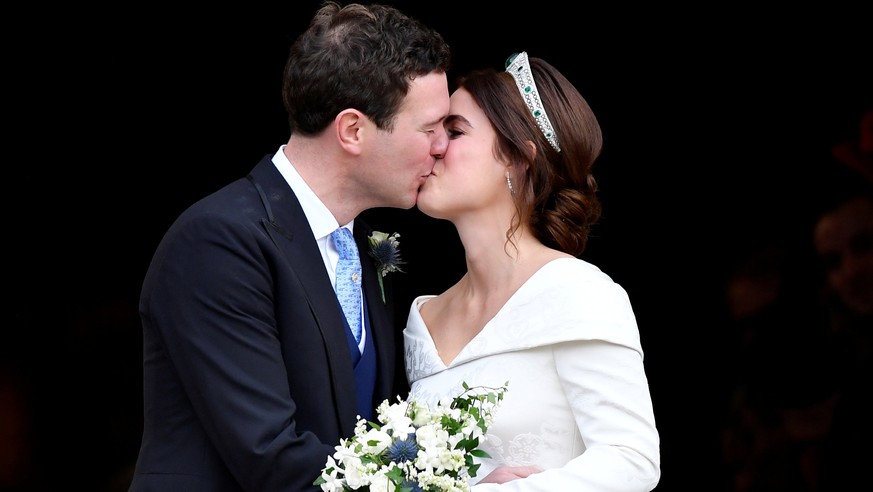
(385, 252)
(387, 256)
(404, 450)
(412, 486)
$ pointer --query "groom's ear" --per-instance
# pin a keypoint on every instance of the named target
(350, 127)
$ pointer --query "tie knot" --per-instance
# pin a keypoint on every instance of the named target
(345, 243)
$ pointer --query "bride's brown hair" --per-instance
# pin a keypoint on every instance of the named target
(555, 192)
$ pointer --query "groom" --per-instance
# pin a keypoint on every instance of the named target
(251, 376)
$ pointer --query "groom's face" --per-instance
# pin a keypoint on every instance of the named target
(403, 158)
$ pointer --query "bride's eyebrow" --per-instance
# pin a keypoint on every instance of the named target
(456, 118)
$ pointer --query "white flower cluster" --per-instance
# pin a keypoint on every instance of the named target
(415, 447)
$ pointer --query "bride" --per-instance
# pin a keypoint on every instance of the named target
(516, 182)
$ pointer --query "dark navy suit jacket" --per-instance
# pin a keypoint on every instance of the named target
(248, 378)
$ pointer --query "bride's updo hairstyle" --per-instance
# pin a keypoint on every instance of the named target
(554, 191)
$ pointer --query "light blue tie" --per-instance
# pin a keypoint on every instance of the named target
(348, 279)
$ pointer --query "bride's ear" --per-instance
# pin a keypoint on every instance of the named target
(532, 153)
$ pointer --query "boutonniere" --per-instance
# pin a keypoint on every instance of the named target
(384, 250)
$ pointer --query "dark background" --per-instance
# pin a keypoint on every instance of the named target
(718, 124)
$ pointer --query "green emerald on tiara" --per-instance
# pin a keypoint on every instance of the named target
(518, 67)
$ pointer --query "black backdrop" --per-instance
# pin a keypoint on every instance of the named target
(718, 125)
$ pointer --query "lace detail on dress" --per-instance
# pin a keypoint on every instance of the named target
(548, 448)
(418, 360)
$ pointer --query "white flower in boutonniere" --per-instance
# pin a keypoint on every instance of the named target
(384, 249)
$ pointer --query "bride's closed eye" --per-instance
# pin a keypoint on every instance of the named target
(453, 124)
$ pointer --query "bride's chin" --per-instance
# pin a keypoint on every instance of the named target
(423, 207)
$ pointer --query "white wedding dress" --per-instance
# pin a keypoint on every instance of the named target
(578, 402)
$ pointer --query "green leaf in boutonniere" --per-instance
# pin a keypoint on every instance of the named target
(384, 248)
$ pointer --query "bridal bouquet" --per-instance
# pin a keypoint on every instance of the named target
(413, 447)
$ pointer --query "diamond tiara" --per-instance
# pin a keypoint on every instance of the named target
(518, 66)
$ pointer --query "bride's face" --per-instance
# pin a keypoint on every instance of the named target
(469, 177)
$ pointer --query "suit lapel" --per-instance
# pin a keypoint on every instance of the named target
(289, 229)
(381, 323)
